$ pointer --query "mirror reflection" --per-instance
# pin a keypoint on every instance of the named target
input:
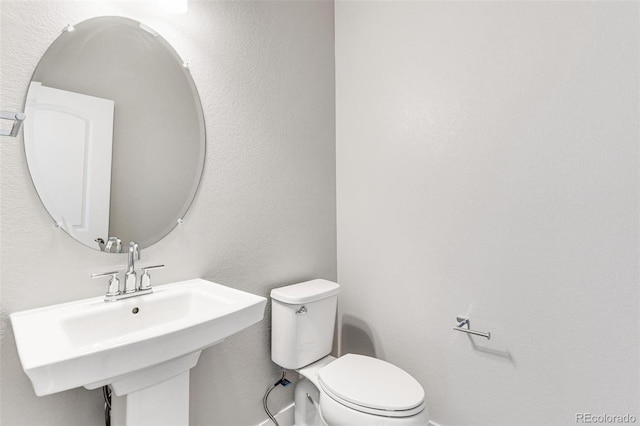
(114, 136)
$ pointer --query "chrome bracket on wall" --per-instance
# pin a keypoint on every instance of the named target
(17, 118)
(464, 325)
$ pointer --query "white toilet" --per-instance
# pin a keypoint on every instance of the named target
(350, 390)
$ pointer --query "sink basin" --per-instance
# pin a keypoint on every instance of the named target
(129, 344)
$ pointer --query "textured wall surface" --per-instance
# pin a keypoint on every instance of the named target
(264, 215)
(487, 163)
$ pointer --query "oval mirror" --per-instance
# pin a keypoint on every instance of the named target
(114, 135)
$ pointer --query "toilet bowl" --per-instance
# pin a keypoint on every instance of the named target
(349, 390)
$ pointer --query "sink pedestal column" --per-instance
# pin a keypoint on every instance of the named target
(154, 396)
(163, 404)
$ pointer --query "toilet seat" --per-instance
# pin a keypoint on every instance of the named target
(372, 386)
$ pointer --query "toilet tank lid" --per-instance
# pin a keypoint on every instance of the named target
(305, 292)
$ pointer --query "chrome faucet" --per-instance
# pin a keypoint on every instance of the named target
(131, 285)
(130, 278)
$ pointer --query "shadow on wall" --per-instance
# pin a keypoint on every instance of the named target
(356, 337)
(500, 355)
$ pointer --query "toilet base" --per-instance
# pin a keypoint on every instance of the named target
(307, 399)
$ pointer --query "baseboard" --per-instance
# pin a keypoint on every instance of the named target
(284, 417)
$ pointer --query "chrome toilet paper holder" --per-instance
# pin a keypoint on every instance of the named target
(464, 325)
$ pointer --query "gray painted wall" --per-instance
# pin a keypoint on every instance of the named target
(264, 215)
(487, 163)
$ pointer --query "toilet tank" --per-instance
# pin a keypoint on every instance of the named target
(303, 318)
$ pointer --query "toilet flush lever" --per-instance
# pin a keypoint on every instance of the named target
(302, 310)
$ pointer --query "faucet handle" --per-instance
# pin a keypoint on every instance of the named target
(148, 268)
(113, 289)
(145, 279)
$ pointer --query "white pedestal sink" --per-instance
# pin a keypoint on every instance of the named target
(143, 347)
